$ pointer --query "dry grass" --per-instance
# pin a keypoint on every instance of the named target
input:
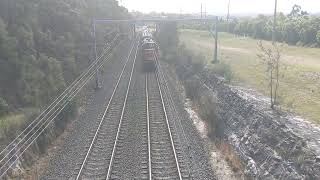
(231, 157)
(299, 86)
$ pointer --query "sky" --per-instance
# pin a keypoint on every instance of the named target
(219, 6)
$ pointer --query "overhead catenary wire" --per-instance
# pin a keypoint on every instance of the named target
(57, 111)
(54, 103)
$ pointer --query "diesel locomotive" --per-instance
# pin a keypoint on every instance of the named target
(149, 51)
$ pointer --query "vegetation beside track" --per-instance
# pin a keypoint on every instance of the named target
(43, 47)
(299, 85)
(178, 56)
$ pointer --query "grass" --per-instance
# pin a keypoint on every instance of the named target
(11, 120)
(299, 86)
(231, 157)
(12, 123)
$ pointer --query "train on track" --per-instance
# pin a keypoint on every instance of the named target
(149, 51)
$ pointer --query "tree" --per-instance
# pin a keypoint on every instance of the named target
(270, 57)
(297, 12)
(4, 107)
(43, 44)
(298, 27)
(168, 39)
(318, 37)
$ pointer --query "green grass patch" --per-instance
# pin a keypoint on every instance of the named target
(12, 123)
(12, 120)
(299, 86)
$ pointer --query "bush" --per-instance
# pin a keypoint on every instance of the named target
(318, 37)
(192, 89)
(4, 107)
(222, 70)
(198, 64)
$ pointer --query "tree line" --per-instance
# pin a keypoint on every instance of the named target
(44, 45)
(296, 28)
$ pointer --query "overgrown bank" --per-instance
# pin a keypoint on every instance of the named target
(186, 66)
(44, 46)
(265, 144)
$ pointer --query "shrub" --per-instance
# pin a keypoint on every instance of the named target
(192, 89)
(4, 107)
(223, 70)
(318, 37)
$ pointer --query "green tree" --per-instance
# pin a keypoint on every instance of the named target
(270, 57)
(298, 27)
(43, 44)
(168, 39)
(318, 37)
(4, 107)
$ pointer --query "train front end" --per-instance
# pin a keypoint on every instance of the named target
(149, 50)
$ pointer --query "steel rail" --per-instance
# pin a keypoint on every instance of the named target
(50, 119)
(104, 114)
(52, 106)
(121, 117)
(159, 70)
(148, 130)
(168, 126)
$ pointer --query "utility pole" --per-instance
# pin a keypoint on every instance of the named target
(95, 55)
(205, 12)
(228, 16)
(134, 30)
(201, 10)
(274, 22)
(215, 55)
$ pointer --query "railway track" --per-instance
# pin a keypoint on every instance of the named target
(98, 156)
(182, 145)
(130, 158)
(156, 152)
(134, 139)
(164, 163)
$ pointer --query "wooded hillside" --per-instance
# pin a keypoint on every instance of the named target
(43, 45)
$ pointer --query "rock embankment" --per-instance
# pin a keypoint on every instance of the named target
(268, 143)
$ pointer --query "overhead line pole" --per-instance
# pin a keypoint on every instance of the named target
(274, 22)
(228, 16)
(205, 12)
(215, 58)
(201, 10)
(95, 54)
